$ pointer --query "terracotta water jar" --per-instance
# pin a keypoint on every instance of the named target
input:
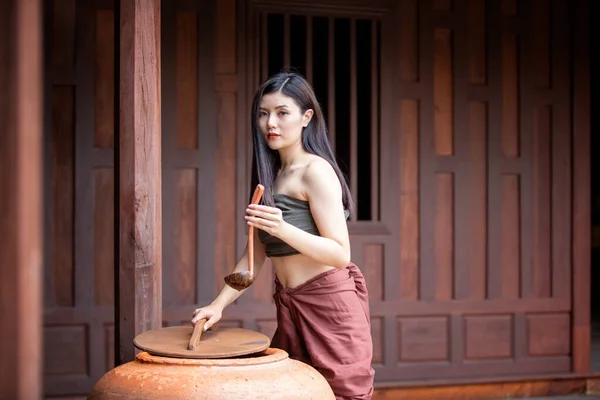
(269, 375)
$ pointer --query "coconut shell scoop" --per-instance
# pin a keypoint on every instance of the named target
(241, 280)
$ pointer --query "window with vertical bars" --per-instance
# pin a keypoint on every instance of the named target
(341, 59)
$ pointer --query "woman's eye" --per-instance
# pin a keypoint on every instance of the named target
(282, 113)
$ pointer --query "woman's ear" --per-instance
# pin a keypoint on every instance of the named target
(307, 117)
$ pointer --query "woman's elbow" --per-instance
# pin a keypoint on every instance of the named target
(343, 260)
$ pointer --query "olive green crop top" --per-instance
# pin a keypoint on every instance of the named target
(295, 212)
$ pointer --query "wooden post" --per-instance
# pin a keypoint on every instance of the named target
(140, 228)
(20, 199)
(581, 331)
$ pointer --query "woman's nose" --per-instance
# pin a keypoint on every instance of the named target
(271, 121)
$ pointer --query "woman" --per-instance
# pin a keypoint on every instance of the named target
(321, 297)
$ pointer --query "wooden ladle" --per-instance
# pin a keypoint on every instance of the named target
(241, 280)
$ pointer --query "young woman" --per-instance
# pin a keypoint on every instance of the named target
(321, 296)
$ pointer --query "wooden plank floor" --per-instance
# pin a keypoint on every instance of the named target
(557, 388)
(575, 397)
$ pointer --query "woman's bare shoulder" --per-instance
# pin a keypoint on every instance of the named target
(319, 176)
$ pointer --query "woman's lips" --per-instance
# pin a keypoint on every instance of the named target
(272, 136)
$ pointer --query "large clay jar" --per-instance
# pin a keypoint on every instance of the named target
(271, 375)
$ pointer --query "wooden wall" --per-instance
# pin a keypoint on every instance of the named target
(199, 149)
(468, 262)
(482, 106)
(469, 265)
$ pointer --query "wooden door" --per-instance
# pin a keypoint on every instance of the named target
(453, 121)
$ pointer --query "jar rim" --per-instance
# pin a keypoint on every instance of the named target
(268, 356)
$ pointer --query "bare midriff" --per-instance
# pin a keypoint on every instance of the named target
(296, 269)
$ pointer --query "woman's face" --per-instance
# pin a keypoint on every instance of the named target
(281, 121)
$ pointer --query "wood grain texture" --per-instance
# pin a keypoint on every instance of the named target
(494, 157)
(409, 200)
(377, 333)
(476, 10)
(408, 37)
(540, 36)
(510, 95)
(221, 342)
(373, 256)
(444, 236)
(226, 60)
(549, 334)
(21, 200)
(562, 193)
(187, 237)
(488, 337)
(427, 152)
(104, 287)
(542, 217)
(443, 390)
(225, 210)
(187, 80)
(140, 252)
(63, 34)
(104, 80)
(423, 339)
(85, 153)
(443, 92)
(225, 191)
(63, 192)
(511, 238)
(581, 258)
(71, 340)
(478, 209)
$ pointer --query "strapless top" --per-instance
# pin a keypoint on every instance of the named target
(295, 212)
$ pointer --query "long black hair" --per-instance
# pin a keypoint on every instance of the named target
(265, 161)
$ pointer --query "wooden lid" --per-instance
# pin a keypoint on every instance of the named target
(219, 343)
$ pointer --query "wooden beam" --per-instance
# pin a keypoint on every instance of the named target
(139, 288)
(581, 333)
(20, 199)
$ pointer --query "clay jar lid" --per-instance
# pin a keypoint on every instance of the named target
(214, 344)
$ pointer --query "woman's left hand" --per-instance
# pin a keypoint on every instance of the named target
(268, 219)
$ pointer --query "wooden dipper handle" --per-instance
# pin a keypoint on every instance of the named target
(197, 332)
(258, 192)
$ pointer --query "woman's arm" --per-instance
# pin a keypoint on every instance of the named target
(228, 295)
(324, 193)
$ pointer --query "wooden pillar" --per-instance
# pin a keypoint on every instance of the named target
(581, 334)
(20, 199)
(139, 288)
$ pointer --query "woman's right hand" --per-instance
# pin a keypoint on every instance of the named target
(211, 313)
